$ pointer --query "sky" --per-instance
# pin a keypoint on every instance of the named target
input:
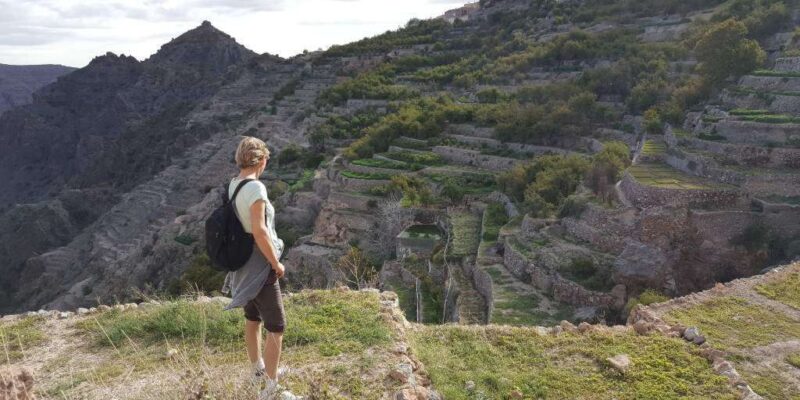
(72, 32)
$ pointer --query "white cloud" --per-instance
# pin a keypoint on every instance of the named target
(72, 32)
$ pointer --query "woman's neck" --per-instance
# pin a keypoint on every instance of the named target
(245, 174)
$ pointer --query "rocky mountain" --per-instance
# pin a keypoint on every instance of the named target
(99, 131)
(527, 163)
(18, 82)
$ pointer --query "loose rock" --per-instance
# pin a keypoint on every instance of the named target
(620, 362)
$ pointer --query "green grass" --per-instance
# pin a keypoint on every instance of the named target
(326, 323)
(367, 176)
(793, 360)
(568, 366)
(786, 291)
(18, 337)
(494, 217)
(380, 163)
(466, 232)
(731, 323)
(769, 383)
(666, 177)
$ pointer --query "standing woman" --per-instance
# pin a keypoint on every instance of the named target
(255, 285)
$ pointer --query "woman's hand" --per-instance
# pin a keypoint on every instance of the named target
(279, 270)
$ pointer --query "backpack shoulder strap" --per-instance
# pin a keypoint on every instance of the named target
(239, 187)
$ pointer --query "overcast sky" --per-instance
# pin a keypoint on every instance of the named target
(72, 32)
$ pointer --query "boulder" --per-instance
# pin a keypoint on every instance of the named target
(641, 266)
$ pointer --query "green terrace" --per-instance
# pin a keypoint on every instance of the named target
(466, 229)
(653, 148)
(763, 116)
(388, 164)
(367, 176)
(409, 143)
(415, 157)
(665, 177)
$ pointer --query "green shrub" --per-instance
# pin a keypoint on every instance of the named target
(185, 239)
(649, 296)
(573, 206)
(199, 276)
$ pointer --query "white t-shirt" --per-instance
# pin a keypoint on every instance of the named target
(249, 194)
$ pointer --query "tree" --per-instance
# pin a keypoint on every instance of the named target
(607, 167)
(357, 271)
(724, 51)
(652, 122)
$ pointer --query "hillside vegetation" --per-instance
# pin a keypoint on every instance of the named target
(343, 344)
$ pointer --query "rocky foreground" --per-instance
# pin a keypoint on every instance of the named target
(358, 344)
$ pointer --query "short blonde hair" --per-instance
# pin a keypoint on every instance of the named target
(250, 152)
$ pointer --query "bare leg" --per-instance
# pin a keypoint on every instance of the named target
(252, 339)
(272, 353)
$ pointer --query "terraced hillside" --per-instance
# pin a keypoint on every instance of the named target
(539, 161)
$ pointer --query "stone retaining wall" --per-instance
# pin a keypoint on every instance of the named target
(698, 165)
(470, 130)
(775, 157)
(358, 185)
(758, 133)
(788, 64)
(551, 282)
(349, 200)
(771, 83)
(604, 241)
(777, 183)
(475, 158)
(483, 284)
(776, 103)
(644, 196)
(375, 170)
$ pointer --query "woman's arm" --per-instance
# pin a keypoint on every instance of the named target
(261, 236)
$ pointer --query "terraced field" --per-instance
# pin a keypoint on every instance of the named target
(666, 177)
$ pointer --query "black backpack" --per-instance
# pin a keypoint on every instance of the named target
(227, 244)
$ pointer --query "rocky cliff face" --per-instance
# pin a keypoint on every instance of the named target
(97, 133)
(18, 82)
